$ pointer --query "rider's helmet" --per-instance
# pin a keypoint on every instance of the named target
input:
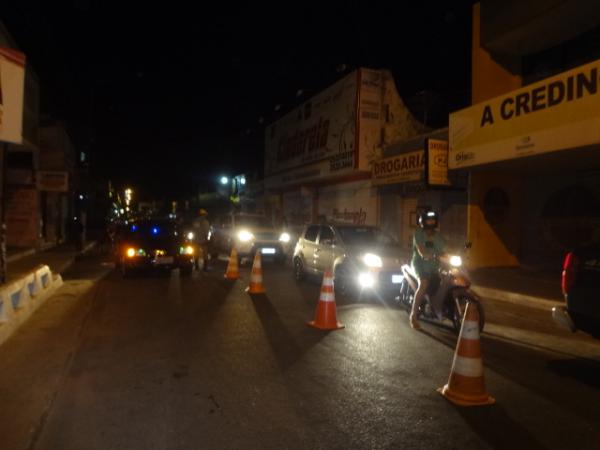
(202, 212)
(428, 220)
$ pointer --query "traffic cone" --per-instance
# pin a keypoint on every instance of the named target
(325, 315)
(256, 281)
(465, 386)
(232, 272)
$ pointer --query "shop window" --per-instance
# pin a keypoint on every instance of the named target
(311, 233)
(496, 204)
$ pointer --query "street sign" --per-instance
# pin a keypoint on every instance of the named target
(52, 181)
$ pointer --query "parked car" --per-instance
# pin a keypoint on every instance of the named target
(361, 258)
(153, 244)
(249, 233)
(581, 289)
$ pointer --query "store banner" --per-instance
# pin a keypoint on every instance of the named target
(399, 168)
(437, 162)
(558, 113)
(12, 82)
(53, 181)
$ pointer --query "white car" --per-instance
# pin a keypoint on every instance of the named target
(249, 233)
(362, 258)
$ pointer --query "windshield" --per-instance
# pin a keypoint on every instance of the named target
(366, 236)
(253, 221)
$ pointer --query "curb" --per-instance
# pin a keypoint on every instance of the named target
(517, 298)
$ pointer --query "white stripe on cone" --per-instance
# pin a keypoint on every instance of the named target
(327, 297)
(470, 330)
(467, 367)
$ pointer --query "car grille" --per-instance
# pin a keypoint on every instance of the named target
(270, 236)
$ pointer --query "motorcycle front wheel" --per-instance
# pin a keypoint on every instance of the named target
(406, 295)
(457, 316)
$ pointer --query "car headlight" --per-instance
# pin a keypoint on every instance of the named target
(190, 236)
(245, 236)
(188, 250)
(285, 237)
(131, 252)
(455, 261)
(372, 260)
(366, 280)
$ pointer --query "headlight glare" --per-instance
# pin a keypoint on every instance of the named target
(372, 260)
(245, 236)
(190, 235)
(455, 261)
(366, 280)
(131, 252)
(285, 237)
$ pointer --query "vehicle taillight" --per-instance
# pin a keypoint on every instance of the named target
(569, 272)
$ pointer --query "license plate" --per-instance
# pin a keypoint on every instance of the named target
(397, 279)
(164, 260)
(267, 251)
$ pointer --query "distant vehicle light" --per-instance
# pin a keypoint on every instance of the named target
(189, 250)
(243, 180)
(285, 237)
(190, 235)
(224, 180)
(245, 236)
(372, 260)
(131, 252)
(455, 261)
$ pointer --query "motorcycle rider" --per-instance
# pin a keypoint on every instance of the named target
(201, 230)
(427, 243)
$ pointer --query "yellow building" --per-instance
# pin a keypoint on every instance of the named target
(531, 139)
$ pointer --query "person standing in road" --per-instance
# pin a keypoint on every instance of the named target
(201, 230)
(428, 245)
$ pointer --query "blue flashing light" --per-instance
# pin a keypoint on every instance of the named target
(133, 227)
(155, 230)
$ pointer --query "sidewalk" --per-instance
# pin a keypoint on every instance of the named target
(538, 289)
(58, 258)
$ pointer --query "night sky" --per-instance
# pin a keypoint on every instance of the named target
(176, 93)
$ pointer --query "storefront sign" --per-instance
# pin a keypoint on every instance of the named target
(53, 181)
(12, 80)
(399, 169)
(22, 216)
(437, 162)
(558, 113)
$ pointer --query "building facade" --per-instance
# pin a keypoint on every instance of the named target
(531, 139)
(318, 156)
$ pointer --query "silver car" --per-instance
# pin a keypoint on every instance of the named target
(362, 258)
(249, 233)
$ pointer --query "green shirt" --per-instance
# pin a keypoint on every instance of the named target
(436, 246)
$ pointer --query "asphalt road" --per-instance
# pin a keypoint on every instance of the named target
(161, 362)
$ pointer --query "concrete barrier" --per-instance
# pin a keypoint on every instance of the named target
(20, 298)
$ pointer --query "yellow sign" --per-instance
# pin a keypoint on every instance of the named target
(399, 169)
(437, 162)
(558, 113)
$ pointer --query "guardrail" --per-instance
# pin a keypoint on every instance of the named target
(20, 298)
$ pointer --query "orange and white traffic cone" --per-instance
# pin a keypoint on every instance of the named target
(325, 315)
(232, 272)
(465, 386)
(256, 280)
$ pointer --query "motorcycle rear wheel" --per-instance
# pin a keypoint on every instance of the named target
(457, 318)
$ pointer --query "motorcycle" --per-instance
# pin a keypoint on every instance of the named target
(447, 295)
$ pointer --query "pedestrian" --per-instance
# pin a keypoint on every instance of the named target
(428, 246)
(201, 231)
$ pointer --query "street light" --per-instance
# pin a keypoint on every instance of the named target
(224, 180)
(243, 180)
